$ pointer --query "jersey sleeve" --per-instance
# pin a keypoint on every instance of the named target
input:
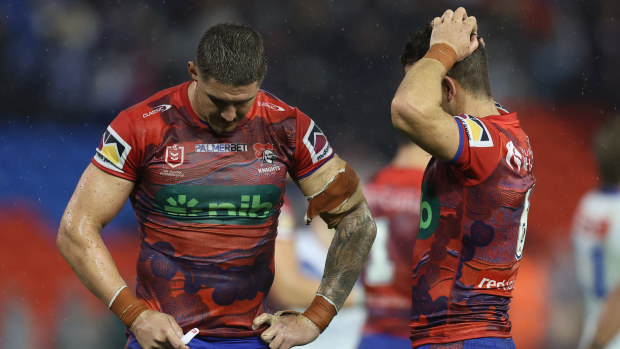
(119, 150)
(479, 149)
(311, 147)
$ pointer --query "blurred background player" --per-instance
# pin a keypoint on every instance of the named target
(596, 237)
(393, 195)
(300, 261)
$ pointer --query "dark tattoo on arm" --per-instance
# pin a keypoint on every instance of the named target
(347, 254)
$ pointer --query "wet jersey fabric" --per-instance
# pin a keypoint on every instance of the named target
(596, 238)
(473, 221)
(393, 196)
(208, 204)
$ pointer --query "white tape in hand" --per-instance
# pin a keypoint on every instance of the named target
(189, 335)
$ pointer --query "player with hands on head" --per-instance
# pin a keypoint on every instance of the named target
(475, 190)
(204, 165)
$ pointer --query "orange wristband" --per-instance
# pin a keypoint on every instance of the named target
(127, 307)
(320, 312)
(443, 53)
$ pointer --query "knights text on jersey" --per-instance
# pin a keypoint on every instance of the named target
(208, 204)
(473, 221)
(393, 196)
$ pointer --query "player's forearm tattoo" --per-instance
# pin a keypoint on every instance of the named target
(347, 254)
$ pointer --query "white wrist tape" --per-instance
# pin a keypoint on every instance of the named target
(115, 295)
(328, 301)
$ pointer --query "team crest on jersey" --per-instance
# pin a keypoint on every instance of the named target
(476, 131)
(175, 155)
(265, 152)
(113, 150)
(317, 144)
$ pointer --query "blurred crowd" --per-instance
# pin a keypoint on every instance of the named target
(68, 67)
(68, 61)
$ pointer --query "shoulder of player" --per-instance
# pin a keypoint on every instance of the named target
(157, 103)
(272, 108)
(605, 196)
(494, 143)
(481, 130)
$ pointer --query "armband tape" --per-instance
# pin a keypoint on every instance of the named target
(320, 312)
(127, 306)
(342, 186)
(443, 53)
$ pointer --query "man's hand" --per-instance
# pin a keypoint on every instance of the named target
(286, 329)
(456, 30)
(155, 330)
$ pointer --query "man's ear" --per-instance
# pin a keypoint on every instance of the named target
(449, 87)
(192, 69)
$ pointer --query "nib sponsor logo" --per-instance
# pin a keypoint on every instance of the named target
(240, 205)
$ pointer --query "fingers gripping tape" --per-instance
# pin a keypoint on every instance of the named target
(340, 188)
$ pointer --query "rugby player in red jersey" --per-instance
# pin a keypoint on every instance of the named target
(475, 191)
(204, 164)
(393, 195)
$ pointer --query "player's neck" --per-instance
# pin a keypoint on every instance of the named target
(191, 95)
(478, 107)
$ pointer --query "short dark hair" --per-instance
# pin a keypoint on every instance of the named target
(607, 151)
(472, 72)
(232, 54)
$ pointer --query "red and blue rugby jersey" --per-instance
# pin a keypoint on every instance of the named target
(393, 196)
(472, 230)
(208, 204)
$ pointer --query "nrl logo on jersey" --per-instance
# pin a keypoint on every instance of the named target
(175, 155)
(316, 143)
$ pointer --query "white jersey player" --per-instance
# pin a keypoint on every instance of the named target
(596, 237)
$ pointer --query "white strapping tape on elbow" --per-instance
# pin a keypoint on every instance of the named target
(309, 220)
(342, 170)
